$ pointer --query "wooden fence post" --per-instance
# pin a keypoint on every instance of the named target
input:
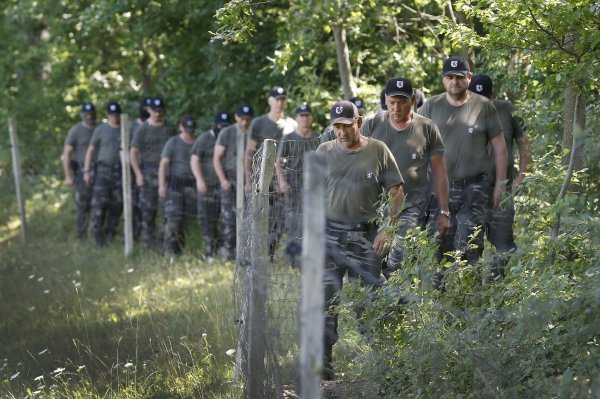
(258, 287)
(126, 181)
(239, 193)
(16, 161)
(312, 316)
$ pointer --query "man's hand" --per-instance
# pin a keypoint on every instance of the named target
(225, 185)
(497, 194)
(88, 178)
(201, 187)
(382, 242)
(443, 223)
(69, 180)
(162, 191)
(139, 180)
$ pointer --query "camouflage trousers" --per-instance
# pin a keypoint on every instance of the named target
(136, 210)
(83, 201)
(499, 231)
(408, 219)
(228, 221)
(149, 203)
(349, 250)
(276, 220)
(107, 203)
(180, 209)
(468, 202)
(293, 225)
(209, 207)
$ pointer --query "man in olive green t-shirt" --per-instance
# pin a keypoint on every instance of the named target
(358, 170)
(176, 185)
(468, 123)
(107, 195)
(74, 150)
(417, 146)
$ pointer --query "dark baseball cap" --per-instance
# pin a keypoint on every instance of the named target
(344, 112)
(360, 104)
(113, 107)
(222, 118)
(303, 108)
(157, 103)
(188, 123)
(88, 107)
(146, 102)
(481, 84)
(245, 111)
(277, 91)
(456, 65)
(399, 87)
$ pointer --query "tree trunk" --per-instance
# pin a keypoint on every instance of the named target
(343, 57)
(574, 124)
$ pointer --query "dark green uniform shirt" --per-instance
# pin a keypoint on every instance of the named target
(178, 152)
(513, 130)
(355, 180)
(204, 148)
(150, 140)
(228, 138)
(411, 147)
(79, 137)
(107, 141)
(466, 131)
(263, 128)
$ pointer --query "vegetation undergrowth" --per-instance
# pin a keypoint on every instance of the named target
(82, 322)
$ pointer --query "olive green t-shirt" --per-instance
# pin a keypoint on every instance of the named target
(150, 140)
(513, 130)
(355, 180)
(411, 147)
(466, 131)
(107, 141)
(263, 128)
(178, 152)
(204, 148)
(228, 138)
(79, 137)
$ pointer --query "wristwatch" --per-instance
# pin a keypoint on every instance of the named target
(445, 213)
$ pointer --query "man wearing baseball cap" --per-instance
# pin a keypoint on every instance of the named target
(468, 124)
(272, 125)
(225, 161)
(207, 184)
(289, 167)
(146, 147)
(358, 170)
(417, 146)
(107, 194)
(73, 158)
(176, 185)
(499, 222)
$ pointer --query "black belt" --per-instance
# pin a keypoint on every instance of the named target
(354, 226)
(471, 180)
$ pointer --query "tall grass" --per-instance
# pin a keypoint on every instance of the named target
(81, 321)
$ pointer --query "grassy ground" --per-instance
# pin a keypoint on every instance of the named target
(79, 321)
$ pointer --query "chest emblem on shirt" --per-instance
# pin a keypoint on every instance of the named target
(470, 130)
(369, 175)
(413, 155)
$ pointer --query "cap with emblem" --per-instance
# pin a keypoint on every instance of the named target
(343, 112)
(245, 111)
(481, 84)
(88, 107)
(399, 87)
(456, 65)
(188, 123)
(277, 92)
(157, 103)
(360, 104)
(303, 108)
(113, 107)
(221, 118)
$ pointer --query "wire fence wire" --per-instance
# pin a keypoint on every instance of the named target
(268, 277)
